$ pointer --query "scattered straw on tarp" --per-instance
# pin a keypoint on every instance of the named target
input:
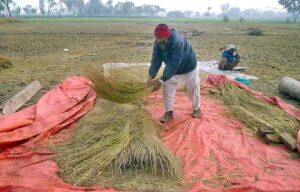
(255, 113)
(117, 145)
(117, 85)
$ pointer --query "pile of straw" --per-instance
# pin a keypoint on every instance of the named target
(117, 145)
(118, 85)
(255, 113)
(4, 63)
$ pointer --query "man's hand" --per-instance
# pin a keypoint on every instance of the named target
(149, 80)
(156, 84)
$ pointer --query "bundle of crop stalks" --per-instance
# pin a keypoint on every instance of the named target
(255, 113)
(4, 63)
(117, 145)
(118, 86)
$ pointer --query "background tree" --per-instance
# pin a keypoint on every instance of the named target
(124, 9)
(74, 7)
(197, 14)
(175, 14)
(151, 10)
(51, 6)
(33, 11)
(139, 11)
(79, 7)
(224, 9)
(27, 9)
(70, 5)
(109, 8)
(234, 12)
(207, 13)
(147, 10)
(61, 8)
(2, 8)
(157, 10)
(252, 13)
(188, 13)
(118, 8)
(94, 7)
(128, 8)
(292, 6)
(225, 18)
(42, 7)
(7, 4)
(16, 11)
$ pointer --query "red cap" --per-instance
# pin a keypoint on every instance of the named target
(162, 30)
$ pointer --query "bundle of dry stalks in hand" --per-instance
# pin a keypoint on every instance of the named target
(255, 113)
(117, 85)
(117, 145)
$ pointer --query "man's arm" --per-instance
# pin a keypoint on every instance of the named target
(155, 62)
(224, 54)
(174, 61)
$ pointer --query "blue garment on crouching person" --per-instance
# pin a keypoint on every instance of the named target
(178, 56)
(228, 56)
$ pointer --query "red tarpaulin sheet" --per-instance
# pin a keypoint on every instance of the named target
(216, 153)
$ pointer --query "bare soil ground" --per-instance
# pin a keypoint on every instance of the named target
(37, 50)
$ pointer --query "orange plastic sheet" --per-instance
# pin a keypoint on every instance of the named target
(26, 162)
(290, 109)
(216, 153)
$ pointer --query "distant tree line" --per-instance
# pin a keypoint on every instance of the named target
(95, 8)
(292, 7)
(235, 12)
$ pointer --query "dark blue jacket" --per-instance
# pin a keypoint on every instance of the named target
(230, 57)
(178, 56)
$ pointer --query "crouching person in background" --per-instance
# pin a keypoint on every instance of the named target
(230, 58)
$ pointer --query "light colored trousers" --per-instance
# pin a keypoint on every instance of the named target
(225, 65)
(192, 82)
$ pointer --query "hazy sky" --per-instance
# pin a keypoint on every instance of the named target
(194, 5)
